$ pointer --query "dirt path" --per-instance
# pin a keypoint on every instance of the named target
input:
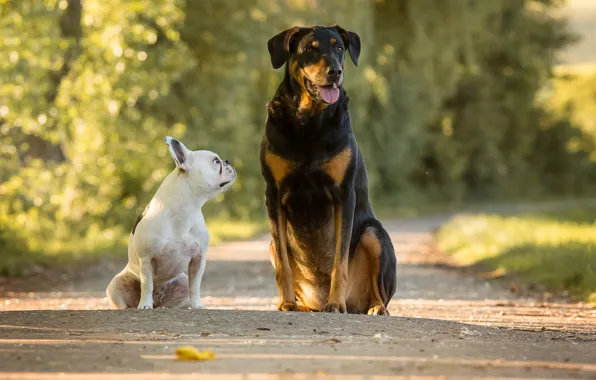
(443, 324)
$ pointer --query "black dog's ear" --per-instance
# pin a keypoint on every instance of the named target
(280, 45)
(353, 41)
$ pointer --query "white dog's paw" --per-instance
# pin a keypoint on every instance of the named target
(198, 306)
(145, 307)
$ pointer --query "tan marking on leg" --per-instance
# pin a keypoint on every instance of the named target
(283, 271)
(339, 276)
(372, 246)
(364, 294)
(359, 284)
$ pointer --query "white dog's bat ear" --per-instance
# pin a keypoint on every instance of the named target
(178, 151)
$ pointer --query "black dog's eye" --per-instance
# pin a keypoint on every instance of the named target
(216, 160)
(309, 50)
(340, 49)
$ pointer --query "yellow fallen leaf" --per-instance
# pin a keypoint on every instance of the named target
(191, 353)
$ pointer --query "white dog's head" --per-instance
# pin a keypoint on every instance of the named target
(206, 173)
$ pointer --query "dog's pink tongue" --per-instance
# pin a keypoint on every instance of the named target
(330, 94)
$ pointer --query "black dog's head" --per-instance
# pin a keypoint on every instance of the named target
(315, 57)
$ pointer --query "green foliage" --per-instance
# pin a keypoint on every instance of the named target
(455, 106)
(554, 249)
(565, 146)
(14, 249)
(444, 104)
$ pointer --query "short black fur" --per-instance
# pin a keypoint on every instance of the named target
(304, 139)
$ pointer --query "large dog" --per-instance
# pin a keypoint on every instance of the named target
(329, 251)
(170, 238)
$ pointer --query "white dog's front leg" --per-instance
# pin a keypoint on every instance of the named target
(146, 276)
(196, 269)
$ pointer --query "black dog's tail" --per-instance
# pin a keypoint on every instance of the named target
(388, 269)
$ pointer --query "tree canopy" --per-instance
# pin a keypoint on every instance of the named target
(448, 104)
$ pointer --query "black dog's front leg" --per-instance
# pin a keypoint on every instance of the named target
(279, 252)
(344, 218)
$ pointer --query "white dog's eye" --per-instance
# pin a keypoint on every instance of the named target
(217, 160)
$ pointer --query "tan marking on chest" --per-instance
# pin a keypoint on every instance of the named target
(337, 166)
(279, 167)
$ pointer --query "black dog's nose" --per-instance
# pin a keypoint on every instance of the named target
(334, 71)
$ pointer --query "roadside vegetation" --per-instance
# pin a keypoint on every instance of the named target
(453, 102)
(554, 249)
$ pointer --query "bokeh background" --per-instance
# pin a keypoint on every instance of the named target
(455, 101)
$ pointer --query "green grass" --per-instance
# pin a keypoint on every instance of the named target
(555, 249)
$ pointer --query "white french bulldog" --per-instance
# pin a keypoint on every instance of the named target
(170, 237)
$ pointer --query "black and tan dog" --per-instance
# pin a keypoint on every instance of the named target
(329, 251)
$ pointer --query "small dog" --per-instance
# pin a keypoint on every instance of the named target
(329, 251)
(170, 237)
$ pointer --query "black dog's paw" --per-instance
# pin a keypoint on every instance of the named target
(378, 310)
(287, 306)
(335, 308)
